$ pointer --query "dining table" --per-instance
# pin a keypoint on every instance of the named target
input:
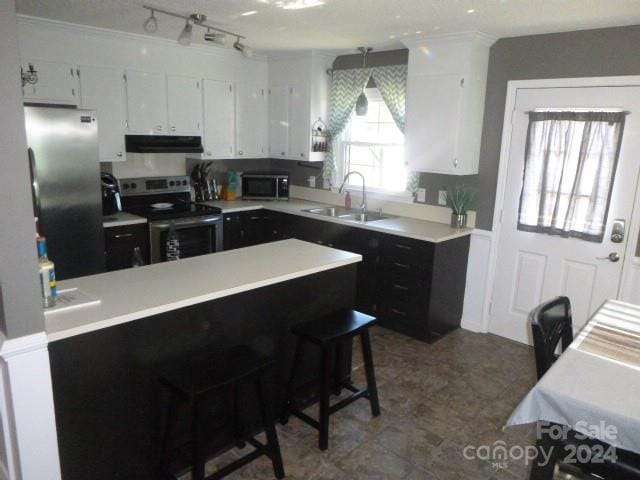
(587, 405)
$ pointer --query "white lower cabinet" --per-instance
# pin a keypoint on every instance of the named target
(102, 89)
(219, 119)
(184, 105)
(57, 83)
(146, 102)
(251, 120)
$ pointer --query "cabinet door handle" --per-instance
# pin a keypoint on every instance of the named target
(455, 163)
(400, 287)
(401, 265)
(403, 247)
(240, 152)
(123, 235)
(158, 127)
(209, 154)
(173, 129)
(254, 218)
(119, 154)
(399, 312)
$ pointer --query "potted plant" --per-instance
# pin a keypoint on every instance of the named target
(459, 200)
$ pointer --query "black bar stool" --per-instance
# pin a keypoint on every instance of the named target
(329, 333)
(195, 381)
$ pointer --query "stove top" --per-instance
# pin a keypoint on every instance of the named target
(179, 210)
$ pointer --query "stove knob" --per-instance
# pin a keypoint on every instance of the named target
(184, 182)
(125, 186)
(171, 183)
(133, 185)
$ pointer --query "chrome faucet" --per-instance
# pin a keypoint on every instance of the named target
(363, 205)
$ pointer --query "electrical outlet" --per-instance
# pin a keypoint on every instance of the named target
(442, 197)
(421, 195)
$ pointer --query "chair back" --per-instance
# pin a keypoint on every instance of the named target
(550, 324)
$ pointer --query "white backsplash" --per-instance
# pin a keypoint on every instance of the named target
(150, 165)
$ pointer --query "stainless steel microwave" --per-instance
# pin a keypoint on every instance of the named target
(265, 186)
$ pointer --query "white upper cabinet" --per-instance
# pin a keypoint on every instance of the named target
(299, 96)
(445, 103)
(102, 89)
(299, 121)
(184, 105)
(279, 121)
(57, 83)
(219, 119)
(146, 102)
(251, 120)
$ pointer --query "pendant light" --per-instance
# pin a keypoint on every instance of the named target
(362, 104)
(151, 24)
(186, 34)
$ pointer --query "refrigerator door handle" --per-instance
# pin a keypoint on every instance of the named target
(35, 189)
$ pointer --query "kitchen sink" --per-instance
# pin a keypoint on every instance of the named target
(329, 211)
(364, 217)
(350, 215)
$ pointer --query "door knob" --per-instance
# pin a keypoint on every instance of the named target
(612, 257)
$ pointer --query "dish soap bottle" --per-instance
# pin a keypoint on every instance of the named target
(347, 201)
(47, 275)
(173, 244)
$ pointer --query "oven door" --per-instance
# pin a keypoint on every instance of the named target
(196, 236)
(259, 186)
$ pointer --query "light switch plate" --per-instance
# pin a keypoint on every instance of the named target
(421, 195)
(442, 197)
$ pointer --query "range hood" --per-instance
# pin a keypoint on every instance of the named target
(163, 144)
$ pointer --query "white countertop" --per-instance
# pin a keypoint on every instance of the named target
(131, 294)
(402, 226)
(122, 219)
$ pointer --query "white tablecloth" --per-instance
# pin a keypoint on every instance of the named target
(583, 389)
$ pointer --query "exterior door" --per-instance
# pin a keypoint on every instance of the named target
(533, 267)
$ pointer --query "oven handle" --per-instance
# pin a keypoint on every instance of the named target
(186, 223)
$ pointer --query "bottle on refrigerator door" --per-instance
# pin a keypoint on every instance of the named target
(47, 275)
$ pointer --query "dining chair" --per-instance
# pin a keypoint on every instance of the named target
(551, 325)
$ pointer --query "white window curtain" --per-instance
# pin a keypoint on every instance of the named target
(570, 165)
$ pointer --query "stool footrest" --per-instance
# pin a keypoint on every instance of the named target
(239, 463)
(306, 418)
(349, 400)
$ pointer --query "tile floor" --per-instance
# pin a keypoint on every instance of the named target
(435, 400)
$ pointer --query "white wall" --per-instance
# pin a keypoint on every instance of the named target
(41, 39)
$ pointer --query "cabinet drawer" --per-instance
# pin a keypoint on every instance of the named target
(120, 243)
(407, 256)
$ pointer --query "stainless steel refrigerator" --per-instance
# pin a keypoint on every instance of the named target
(65, 171)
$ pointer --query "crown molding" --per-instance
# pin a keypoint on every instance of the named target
(481, 37)
(61, 26)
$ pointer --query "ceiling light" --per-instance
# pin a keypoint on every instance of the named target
(186, 34)
(250, 12)
(151, 24)
(471, 10)
(242, 48)
(300, 4)
(362, 104)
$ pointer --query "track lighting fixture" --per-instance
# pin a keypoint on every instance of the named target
(242, 48)
(218, 38)
(151, 24)
(185, 36)
(213, 34)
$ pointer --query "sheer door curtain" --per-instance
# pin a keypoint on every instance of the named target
(570, 165)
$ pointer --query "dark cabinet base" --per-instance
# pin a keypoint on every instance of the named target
(414, 287)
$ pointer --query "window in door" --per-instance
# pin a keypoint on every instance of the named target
(374, 146)
(570, 165)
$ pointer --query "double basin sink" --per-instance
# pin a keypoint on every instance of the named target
(354, 215)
